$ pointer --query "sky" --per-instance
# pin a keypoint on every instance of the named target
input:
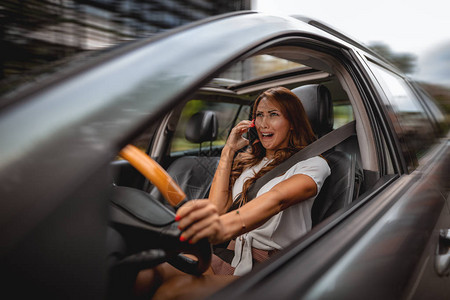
(421, 28)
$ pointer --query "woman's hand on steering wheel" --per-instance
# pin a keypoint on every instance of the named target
(200, 219)
(174, 195)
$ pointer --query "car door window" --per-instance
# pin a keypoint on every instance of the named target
(435, 112)
(343, 113)
(411, 123)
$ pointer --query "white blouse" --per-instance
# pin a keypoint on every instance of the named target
(286, 226)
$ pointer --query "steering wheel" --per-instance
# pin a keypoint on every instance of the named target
(141, 218)
(154, 173)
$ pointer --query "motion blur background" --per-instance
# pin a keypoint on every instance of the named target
(39, 36)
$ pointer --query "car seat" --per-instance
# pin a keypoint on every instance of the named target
(342, 186)
(194, 174)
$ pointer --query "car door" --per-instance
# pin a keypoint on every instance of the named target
(384, 246)
(417, 123)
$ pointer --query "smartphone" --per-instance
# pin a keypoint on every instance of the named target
(252, 134)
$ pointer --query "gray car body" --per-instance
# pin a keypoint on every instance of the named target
(59, 136)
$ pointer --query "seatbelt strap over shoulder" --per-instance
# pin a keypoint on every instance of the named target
(318, 147)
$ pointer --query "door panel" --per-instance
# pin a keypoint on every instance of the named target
(428, 284)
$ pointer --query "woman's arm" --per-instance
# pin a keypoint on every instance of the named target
(220, 193)
(200, 219)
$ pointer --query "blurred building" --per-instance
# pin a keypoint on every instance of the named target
(36, 33)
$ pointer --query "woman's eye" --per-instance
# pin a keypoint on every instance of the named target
(273, 114)
(259, 115)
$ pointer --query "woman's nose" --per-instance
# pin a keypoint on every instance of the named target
(263, 123)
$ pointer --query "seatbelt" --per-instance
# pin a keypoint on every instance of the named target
(318, 147)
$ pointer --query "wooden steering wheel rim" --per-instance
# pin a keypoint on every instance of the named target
(155, 173)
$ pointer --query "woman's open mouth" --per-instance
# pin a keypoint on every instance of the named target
(266, 135)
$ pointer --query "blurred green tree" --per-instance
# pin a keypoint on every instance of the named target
(406, 62)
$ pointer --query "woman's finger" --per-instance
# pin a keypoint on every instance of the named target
(206, 228)
(190, 206)
(197, 215)
(242, 127)
(244, 123)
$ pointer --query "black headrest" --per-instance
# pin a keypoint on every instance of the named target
(202, 127)
(316, 100)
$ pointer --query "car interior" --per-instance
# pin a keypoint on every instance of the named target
(187, 141)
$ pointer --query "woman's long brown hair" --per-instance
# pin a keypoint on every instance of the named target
(300, 136)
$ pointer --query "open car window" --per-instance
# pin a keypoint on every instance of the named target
(230, 95)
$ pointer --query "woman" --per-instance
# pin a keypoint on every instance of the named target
(281, 210)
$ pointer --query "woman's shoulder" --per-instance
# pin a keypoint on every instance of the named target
(313, 164)
(315, 160)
